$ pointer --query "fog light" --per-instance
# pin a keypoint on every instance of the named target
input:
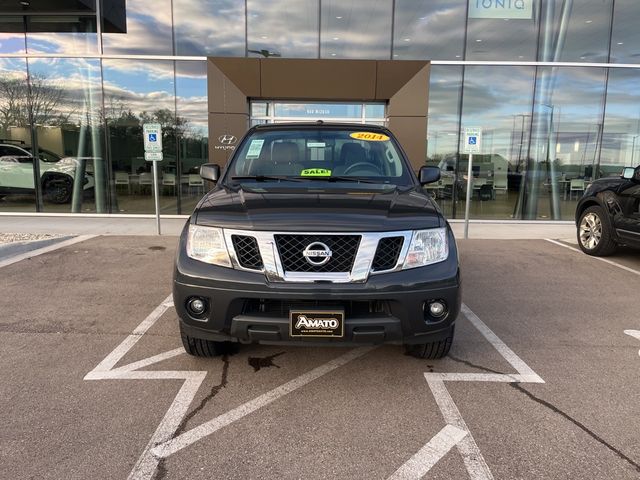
(437, 309)
(196, 306)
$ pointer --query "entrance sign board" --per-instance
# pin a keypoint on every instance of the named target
(516, 9)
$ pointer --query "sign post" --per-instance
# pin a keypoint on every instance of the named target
(472, 144)
(153, 153)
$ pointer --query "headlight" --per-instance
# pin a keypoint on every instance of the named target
(427, 247)
(207, 245)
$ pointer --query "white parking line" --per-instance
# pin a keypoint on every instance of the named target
(162, 443)
(418, 465)
(605, 260)
(207, 428)
(633, 333)
(47, 249)
(474, 462)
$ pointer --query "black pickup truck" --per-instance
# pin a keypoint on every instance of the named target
(317, 234)
(608, 214)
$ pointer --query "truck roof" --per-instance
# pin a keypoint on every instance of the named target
(319, 124)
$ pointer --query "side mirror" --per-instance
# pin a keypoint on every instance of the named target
(628, 173)
(210, 171)
(429, 175)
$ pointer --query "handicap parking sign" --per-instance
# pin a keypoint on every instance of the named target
(152, 137)
(472, 140)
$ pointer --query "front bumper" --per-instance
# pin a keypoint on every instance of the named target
(388, 308)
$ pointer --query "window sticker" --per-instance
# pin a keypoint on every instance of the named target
(369, 136)
(255, 148)
(315, 172)
(316, 145)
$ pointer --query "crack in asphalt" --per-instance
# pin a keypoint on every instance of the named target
(161, 470)
(553, 408)
(214, 391)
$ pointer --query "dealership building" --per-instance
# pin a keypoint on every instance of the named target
(552, 84)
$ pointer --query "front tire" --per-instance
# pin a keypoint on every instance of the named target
(57, 190)
(199, 347)
(431, 350)
(595, 235)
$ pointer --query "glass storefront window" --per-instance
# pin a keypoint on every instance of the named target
(192, 122)
(70, 34)
(497, 99)
(429, 30)
(621, 137)
(502, 31)
(12, 36)
(442, 133)
(279, 28)
(566, 137)
(137, 27)
(138, 92)
(625, 39)
(16, 167)
(209, 27)
(67, 114)
(574, 31)
(356, 29)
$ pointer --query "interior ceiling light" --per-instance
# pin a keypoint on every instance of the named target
(336, 38)
(479, 40)
(24, 3)
(588, 21)
(620, 43)
(338, 18)
(407, 39)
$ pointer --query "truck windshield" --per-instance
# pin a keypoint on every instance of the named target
(339, 155)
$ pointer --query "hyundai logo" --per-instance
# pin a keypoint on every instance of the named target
(227, 139)
(317, 254)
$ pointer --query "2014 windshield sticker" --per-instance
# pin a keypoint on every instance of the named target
(255, 148)
(315, 172)
(369, 136)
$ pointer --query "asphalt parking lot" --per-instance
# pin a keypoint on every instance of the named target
(542, 380)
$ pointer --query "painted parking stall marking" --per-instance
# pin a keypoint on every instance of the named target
(605, 260)
(162, 443)
(474, 462)
(633, 333)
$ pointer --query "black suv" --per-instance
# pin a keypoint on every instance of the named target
(317, 234)
(608, 214)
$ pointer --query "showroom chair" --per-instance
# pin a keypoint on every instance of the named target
(196, 182)
(169, 180)
(146, 179)
(576, 185)
(122, 178)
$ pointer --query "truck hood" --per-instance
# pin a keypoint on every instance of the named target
(358, 207)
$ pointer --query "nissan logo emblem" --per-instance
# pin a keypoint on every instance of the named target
(317, 254)
(227, 139)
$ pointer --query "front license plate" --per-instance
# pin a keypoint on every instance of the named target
(316, 323)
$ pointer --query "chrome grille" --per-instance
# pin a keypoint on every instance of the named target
(247, 251)
(387, 253)
(343, 248)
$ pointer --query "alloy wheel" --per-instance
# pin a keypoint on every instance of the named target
(590, 231)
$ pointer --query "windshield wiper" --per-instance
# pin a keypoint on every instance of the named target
(265, 178)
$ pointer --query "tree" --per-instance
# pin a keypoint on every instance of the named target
(40, 100)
